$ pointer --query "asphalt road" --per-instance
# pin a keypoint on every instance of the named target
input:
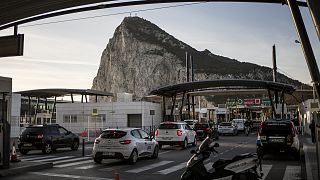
(169, 165)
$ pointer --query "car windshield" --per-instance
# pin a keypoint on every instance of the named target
(276, 128)
(201, 126)
(169, 126)
(225, 124)
(35, 130)
(113, 134)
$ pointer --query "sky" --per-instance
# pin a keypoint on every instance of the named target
(67, 54)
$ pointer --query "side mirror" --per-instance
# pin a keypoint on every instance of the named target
(193, 151)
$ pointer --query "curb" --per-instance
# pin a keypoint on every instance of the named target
(25, 168)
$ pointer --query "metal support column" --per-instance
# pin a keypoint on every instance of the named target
(282, 101)
(182, 105)
(305, 43)
(314, 8)
(72, 98)
(272, 105)
(173, 98)
(163, 108)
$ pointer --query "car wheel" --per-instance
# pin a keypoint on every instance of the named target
(133, 157)
(155, 153)
(75, 145)
(160, 146)
(97, 160)
(185, 144)
(47, 149)
(24, 151)
(194, 142)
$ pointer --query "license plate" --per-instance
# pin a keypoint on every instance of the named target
(28, 144)
(277, 140)
(167, 138)
(109, 153)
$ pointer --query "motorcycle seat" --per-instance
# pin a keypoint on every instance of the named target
(221, 163)
(241, 156)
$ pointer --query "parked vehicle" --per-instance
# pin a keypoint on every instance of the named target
(175, 133)
(47, 138)
(278, 135)
(242, 166)
(227, 128)
(191, 122)
(203, 130)
(128, 144)
(239, 123)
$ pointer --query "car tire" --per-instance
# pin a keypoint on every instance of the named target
(47, 148)
(97, 160)
(155, 153)
(133, 157)
(160, 146)
(184, 144)
(194, 141)
(24, 151)
(75, 145)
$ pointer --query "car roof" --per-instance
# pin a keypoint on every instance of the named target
(41, 125)
(169, 122)
(120, 129)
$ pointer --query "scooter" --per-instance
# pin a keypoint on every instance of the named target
(240, 167)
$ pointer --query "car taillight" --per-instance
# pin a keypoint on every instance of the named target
(127, 141)
(156, 133)
(97, 141)
(40, 136)
(179, 132)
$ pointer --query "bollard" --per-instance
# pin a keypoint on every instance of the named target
(83, 147)
(116, 176)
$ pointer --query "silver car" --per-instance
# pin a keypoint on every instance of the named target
(227, 128)
(127, 143)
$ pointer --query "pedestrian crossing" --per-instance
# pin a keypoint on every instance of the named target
(163, 167)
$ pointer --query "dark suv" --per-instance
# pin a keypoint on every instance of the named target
(47, 138)
(278, 135)
(203, 130)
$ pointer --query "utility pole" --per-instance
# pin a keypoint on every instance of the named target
(192, 79)
(187, 78)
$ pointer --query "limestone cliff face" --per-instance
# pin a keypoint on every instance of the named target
(141, 57)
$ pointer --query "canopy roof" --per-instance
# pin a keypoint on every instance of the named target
(222, 85)
(49, 93)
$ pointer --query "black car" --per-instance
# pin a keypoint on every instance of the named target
(278, 135)
(47, 138)
(203, 130)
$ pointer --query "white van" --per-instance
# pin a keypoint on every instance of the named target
(239, 123)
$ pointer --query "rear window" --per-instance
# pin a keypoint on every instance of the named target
(112, 134)
(201, 126)
(169, 126)
(33, 130)
(276, 128)
(225, 124)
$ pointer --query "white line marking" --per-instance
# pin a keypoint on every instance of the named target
(172, 169)
(90, 166)
(53, 159)
(265, 170)
(68, 176)
(73, 164)
(69, 160)
(165, 152)
(161, 163)
(292, 173)
(37, 158)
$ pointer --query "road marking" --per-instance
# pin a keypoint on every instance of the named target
(165, 152)
(90, 166)
(265, 170)
(137, 170)
(37, 158)
(69, 160)
(68, 176)
(52, 159)
(292, 173)
(172, 169)
(73, 164)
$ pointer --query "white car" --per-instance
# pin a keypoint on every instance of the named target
(175, 133)
(227, 128)
(128, 144)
